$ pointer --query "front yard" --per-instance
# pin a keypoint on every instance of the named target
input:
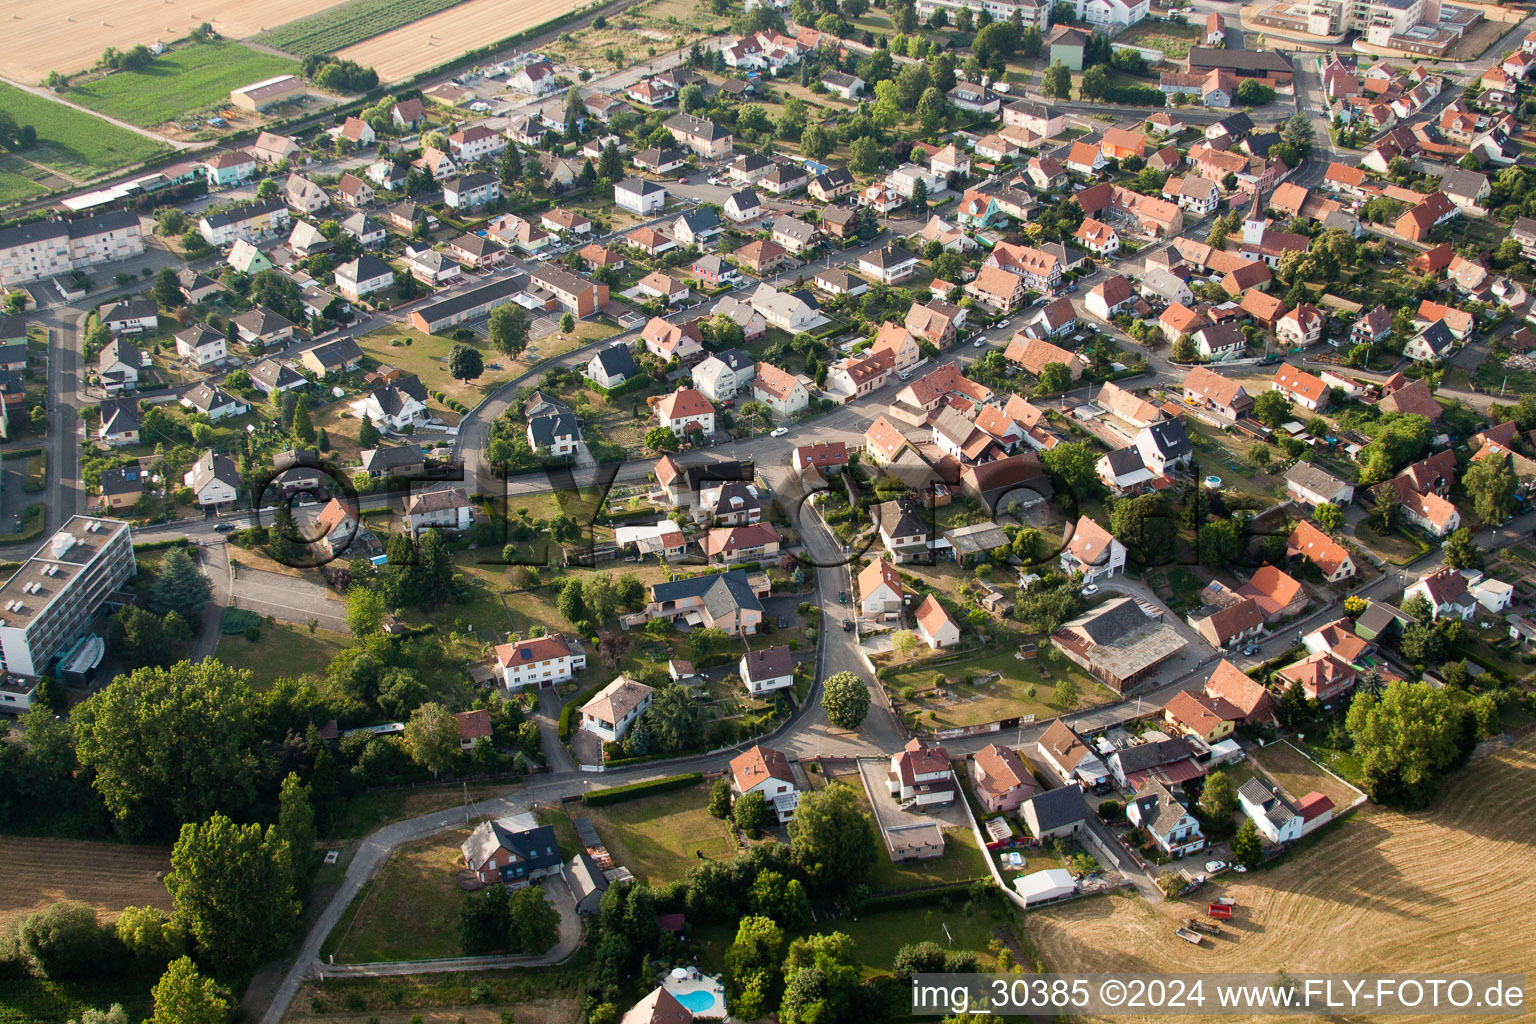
(660, 837)
(416, 885)
(989, 686)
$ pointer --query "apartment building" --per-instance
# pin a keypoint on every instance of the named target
(31, 252)
(48, 604)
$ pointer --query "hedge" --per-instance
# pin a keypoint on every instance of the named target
(635, 790)
(917, 897)
(160, 545)
(634, 383)
(573, 706)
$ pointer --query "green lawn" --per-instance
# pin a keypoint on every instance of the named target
(990, 702)
(660, 837)
(19, 180)
(416, 884)
(374, 809)
(26, 1000)
(877, 936)
(962, 861)
(283, 650)
(1398, 548)
(68, 140)
(565, 832)
(190, 78)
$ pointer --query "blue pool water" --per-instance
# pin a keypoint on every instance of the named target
(697, 1001)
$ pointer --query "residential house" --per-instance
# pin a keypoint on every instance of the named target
(1230, 684)
(1276, 818)
(725, 601)
(1307, 483)
(685, 411)
(921, 775)
(722, 375)
(1301, 387)
(780, 390)
(341, 355)
(1211, 719)
(200, 345)
(639, 196)
(752, 542)
(118, 365)
(1330, 557)
(935, 626)
(1092, 551)
(215, 480)
(1001, 779)
(445, 509)
(506, 850)
(1055, 813)
(1155, 810)
(768, 670)
(881, 594)
(616, 707)
(764, 770)
(889, 265)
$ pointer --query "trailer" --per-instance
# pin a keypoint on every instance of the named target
(1189, 936)
(1209, 927)
(1220, 911)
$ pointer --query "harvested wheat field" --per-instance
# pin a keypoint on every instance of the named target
(1440, 890)
(68, 35)
(38, 872)
(441, 37)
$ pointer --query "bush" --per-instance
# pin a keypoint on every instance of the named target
(62, 941)
(636, 790)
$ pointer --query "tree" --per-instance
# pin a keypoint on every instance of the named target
(567, 323)
(183, 996)
(1329, 516)
(904, 642)
(816, 141)
(1095, 83)
(1074, 466)
(1384, 510)
(1271, 408)
(1184, 350)
(610, 163)
(367, 435)
(720, 798)
(267, 189)
(432, 737)
(465, 363)
(150, 934)
(365, 611)
(1253, 93)
(483, 922)
(864, 155)
(1146, 525)
(661, 439)
(511, 167)
(676, 721)
(917, 958)
(845, 699)
(1405, 737)
(1067, 694)
(1461, 550)
(1057, 82)
(167, 289)
(1298, 132)
(61, 941)
(831, 838)
(296, 824)
(1218, 802)
(918, 204)
(690, 98)
(931, 109)
(1247, 849)
(533, 924)
(303, 425)
(751, 812)
(751, 962)
(179, 587)
(167, 745)
(785, 902)
(1293, 708)
(1491, 484)
(1055, 379)
(508, 329)
(1219, 543)
(570, 602)
(233, 886)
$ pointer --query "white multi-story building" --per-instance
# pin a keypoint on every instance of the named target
(1031, 12)
(1111, 13)
(616, 707)
(47, 605)
(31, 252)
(539, 661)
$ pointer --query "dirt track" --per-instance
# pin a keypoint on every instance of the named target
(1381, 891)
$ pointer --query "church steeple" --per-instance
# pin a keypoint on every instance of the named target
(1253, 226)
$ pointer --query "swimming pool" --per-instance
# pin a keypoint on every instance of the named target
(696, 1002)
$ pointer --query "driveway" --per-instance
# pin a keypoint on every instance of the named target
(288, 598)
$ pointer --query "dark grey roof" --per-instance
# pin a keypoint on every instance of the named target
(1235, 124)
(120, 351)
(122, 480)
(262, 320)
(890, 256)
(13, 327)
(501, 288)
(547, 429)
(1169, 439)
(236, 214)
(391, 457)
(900, 519)
(1276, 807)
(1438, 336)
(129, 309)
(701, 127)
(1124, 460)
(1054, 808)
(1237, 60)
(617, 361)
(700, 219)
(1260, 143)
(1113, 620)
(722, 593)
(275, 374)
(121, 415)
(338, 352)
(206, 398)
(745, 199)
(736, 359)
(1149, 755)
(470, 182)
(43, 230)
(837, 177)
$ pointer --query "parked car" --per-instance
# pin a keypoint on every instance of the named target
(224, 528)
(847, 625)
(978, 343)
(842, 597)
(1215, 867)
(1092, 588)
(778, 431)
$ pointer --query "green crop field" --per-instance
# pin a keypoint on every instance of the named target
(340, 26)
(189, 78)
(68, 140)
